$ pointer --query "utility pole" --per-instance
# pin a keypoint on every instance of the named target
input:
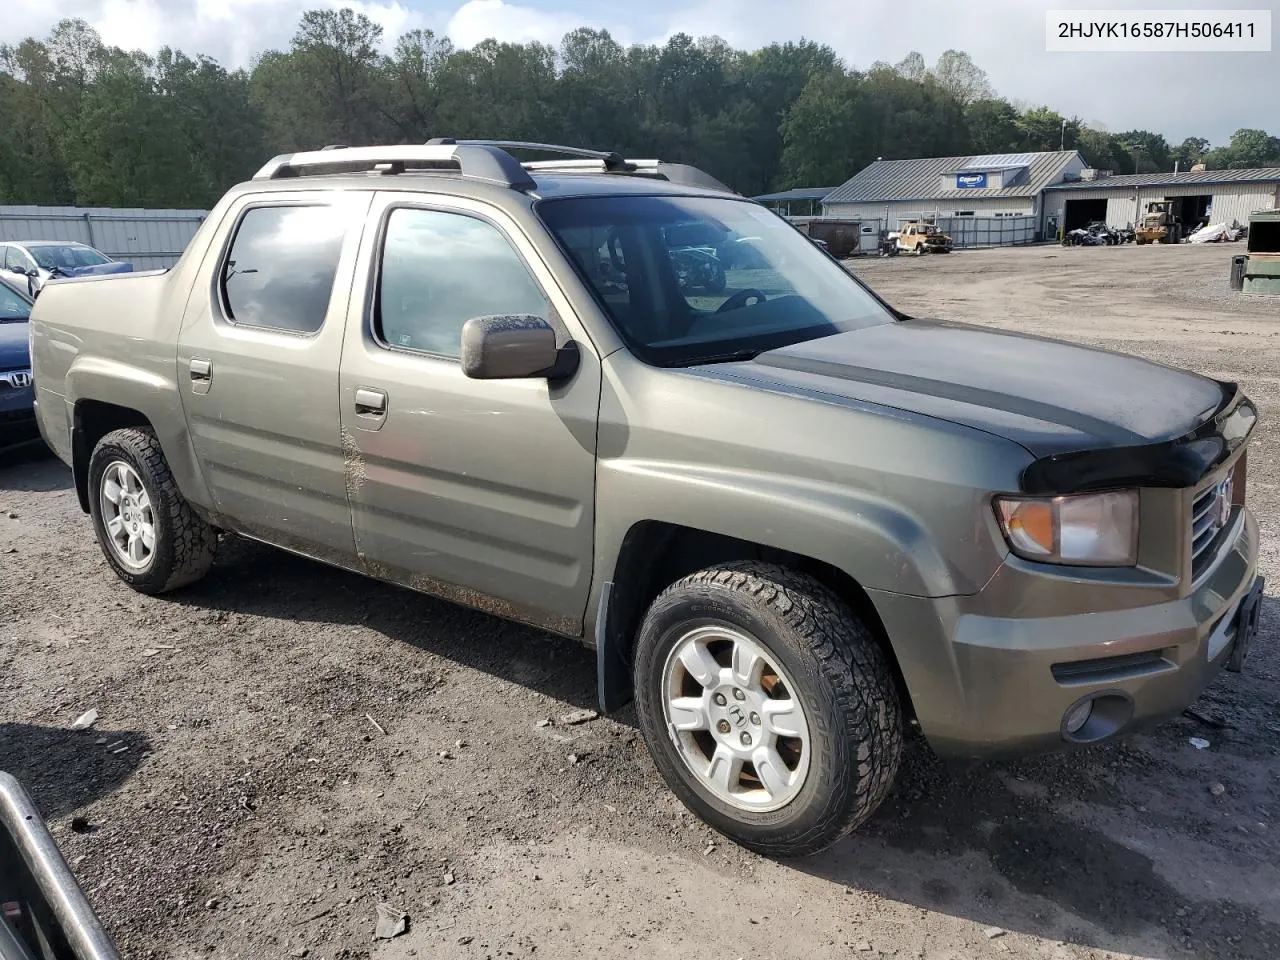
(1062, 140)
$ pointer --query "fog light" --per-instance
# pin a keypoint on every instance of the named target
(1078, 716)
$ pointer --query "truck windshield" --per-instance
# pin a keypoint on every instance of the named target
(66, 257)
(689, 280)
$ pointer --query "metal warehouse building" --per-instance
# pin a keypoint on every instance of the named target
(995, 199)
(1212, 196)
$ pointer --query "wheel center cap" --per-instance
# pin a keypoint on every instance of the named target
(735, 714)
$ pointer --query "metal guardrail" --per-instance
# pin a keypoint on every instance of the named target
(57, 884)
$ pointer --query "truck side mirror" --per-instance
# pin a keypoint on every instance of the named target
(514, 348)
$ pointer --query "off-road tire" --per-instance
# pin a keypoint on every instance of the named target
(843, 681)
(185, 543)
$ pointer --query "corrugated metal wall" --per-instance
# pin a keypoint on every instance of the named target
(149, 239)
(1237, 203)
(1120, 204)
(1230, 201)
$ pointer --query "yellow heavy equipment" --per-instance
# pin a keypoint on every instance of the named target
(1160, 224)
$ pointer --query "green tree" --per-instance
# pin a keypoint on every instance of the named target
(1247, 148)
(839, 124)
(214, 123)
(417, 86)
(1191, 151)
(1150, 151)
(912, 66)
(328, 88)
(1045, 129)
(88, 123)
(820, 133)
(956, 72)
(1102, 150)
(993, 126)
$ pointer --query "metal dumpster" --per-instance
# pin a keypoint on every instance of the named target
(1262, 269)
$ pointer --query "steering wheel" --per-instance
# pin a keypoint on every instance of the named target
(740, 299)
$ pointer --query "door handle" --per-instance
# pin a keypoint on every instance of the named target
(201, 374)
(371, 406)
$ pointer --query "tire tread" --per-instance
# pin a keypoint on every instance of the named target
(861, 685)
(193, 541)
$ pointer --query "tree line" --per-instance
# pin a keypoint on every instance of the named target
(88, 124)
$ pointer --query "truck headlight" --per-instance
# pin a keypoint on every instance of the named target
(1093, 529)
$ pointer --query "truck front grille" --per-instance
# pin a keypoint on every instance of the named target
(1210, 512)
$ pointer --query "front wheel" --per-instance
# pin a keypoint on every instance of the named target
(147, 531)
(768, 707)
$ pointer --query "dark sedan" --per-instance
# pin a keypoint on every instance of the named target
(17, 396)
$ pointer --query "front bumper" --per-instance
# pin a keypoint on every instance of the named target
(17, 415)
(985, 685)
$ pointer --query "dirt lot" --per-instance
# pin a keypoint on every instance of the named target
(284, 746)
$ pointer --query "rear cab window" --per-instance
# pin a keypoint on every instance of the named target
(279, 269)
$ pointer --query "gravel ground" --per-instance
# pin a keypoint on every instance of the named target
(284, 746)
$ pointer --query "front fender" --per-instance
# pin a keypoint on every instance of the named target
(882, 545)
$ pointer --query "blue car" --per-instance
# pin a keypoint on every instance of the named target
(17, 395)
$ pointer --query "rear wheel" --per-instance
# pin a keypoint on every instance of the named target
(768, 707)
(147, 531)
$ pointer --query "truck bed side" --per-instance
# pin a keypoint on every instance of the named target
(104, 356)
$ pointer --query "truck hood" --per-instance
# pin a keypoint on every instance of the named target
(13, 344)
(1050, 397)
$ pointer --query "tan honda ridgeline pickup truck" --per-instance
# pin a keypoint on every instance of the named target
(789, 519)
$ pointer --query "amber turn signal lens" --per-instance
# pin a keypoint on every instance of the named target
(1089, 529)
(1030, 524)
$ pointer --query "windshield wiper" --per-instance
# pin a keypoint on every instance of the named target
(737, 356)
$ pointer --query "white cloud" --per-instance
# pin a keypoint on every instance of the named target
(231, 31)
(478, 20)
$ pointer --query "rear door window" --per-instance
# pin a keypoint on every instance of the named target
(280, 268)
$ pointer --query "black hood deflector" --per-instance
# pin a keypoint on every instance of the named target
(1181, 462)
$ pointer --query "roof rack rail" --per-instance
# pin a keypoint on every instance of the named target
(680, 173)
(486, 160)
(473, 161)
(612, 161)
(608, 160)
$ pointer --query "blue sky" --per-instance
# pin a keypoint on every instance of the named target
(1179, 95)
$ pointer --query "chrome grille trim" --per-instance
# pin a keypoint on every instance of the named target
(1210, 513)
